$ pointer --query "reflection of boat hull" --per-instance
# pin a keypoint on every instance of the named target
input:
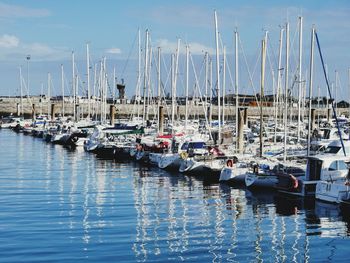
(233, 175)
(253, 180)
(112, 152)
(170, 162)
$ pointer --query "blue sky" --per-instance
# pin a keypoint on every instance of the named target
(49, 30)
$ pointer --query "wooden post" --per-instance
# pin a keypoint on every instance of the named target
(329, 114)
(112, 114)
(33, 111)
(161, 120)
(53, 108)
(18, 109)
(77, 112)
(245, 116)
(241, 116)
(313, 116)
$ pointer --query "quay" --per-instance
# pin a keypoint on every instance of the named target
(37, 105)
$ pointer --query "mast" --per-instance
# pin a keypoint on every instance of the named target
(101, 91)
(336, 89)
(21, 90)
(73, 87)
(41, 101)
(286, 94)
(48, 92)
(187, 73)
(279, 77)
(349, 90)
(223, 85)
(173, 94)
(114, 85)
(206, 80)
(236, 84)
(299, 74)
(218, 74)
(211, 91)
(138, 92)
(310, 87)
(145, 79)
(88, 79)
(262, 83)
(62, 89)
(159, 88)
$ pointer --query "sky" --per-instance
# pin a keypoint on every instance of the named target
(50, 30)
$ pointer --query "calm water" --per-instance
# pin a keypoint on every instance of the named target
(58, 205)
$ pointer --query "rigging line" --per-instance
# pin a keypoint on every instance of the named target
(249, 73)
(129, 54)
(329, 92)
(203, 106)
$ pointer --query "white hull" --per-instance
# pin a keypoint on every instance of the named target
(154, 158)
(170, 161)
(336, 192)
(233, 175)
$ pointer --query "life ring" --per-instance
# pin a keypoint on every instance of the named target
(295, 182)
(229, 163)
(183, 155)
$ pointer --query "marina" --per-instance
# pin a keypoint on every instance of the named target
(230, 143)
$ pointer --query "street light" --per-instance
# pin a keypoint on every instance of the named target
(28, 58)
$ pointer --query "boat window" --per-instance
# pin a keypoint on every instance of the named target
(342, 165)
(332, 149)
(196, 145)
(333, 166)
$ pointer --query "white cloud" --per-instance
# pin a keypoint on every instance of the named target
(16, 11)
(194, 47)
(11, 48)
(114, 51)
(8, 41)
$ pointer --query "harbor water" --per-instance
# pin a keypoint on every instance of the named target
(62, 205)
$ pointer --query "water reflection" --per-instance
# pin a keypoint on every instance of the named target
(101, 208)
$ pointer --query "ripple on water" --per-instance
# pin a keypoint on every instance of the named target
(61, 205)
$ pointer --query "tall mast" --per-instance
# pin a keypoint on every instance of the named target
(101, 91)
(310, 87)
(114, 85)
(88, 79)
(223, 85)
(145, 79)
(173, 94)
(177, 63)
(349, 89)
(218, 74)
(206, 80)
(279, 77)
(138, 92)
(262, 84)
(236, 85)
(149, 70)
(299, 73)
(187, 73)
(159, 88)
(41, 101)
(48, 92)
(73, 87)
(335, 89)
(211, 90)
(62, 89)
(21, 90)
(286, 93)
